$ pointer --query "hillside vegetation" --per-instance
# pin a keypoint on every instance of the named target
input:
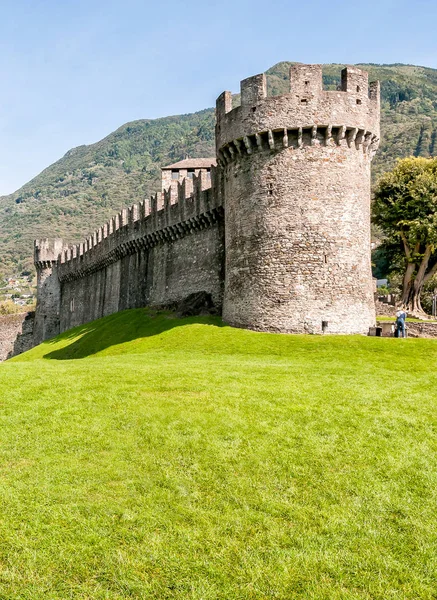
(82, 190)
(144, 456)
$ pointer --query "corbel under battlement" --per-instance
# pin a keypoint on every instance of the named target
(297, 138)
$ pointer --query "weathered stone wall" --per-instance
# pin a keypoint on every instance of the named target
(160, 275)
(421, 330)
(16, 334)
(47, 316)
(385, 309)
(295, 172)
(153, 253)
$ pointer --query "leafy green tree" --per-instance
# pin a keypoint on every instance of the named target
(405, 208)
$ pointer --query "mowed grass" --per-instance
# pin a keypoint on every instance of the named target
(143, 456)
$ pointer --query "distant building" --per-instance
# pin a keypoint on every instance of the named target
(177, 172)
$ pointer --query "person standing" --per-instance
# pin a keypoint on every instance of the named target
(401, 315)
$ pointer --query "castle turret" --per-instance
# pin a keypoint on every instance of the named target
(295, 174)
(46, 255)
(174, 174)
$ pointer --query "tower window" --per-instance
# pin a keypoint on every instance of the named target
(358, 101)
(190, 173)
(358, 88)
(175, 174)
(304, 101)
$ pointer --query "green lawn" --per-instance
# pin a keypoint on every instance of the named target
(159, 458)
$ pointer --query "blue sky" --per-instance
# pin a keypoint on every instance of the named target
(72, 71)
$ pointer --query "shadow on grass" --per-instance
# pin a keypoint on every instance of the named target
(119, 328)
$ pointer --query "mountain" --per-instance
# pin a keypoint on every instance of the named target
(83, 189)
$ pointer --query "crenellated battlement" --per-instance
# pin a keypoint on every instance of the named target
(306, 106)
(167, 216)
(46, 252)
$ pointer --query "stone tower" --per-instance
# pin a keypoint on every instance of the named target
(294, 171)
(47, 314)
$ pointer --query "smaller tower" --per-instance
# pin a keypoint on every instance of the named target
(173, 174)
(46, 254)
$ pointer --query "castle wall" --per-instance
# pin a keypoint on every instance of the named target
(162, 275)
(153, 253)
(16, 334)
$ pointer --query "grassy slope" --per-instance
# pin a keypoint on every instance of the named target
(83, 189)
(185, 459)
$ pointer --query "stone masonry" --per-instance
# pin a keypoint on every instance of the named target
(154, 253)
(16, 334)
(296, 178)
(278, 233)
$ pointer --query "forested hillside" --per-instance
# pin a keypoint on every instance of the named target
(83, 189)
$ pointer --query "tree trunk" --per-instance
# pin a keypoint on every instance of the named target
(407, 285)
(411, 301)
(413, 304)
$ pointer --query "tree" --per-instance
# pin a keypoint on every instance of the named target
(405, 208)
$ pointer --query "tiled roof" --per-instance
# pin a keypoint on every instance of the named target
(192, 163)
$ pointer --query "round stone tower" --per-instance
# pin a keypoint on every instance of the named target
(295, 174)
